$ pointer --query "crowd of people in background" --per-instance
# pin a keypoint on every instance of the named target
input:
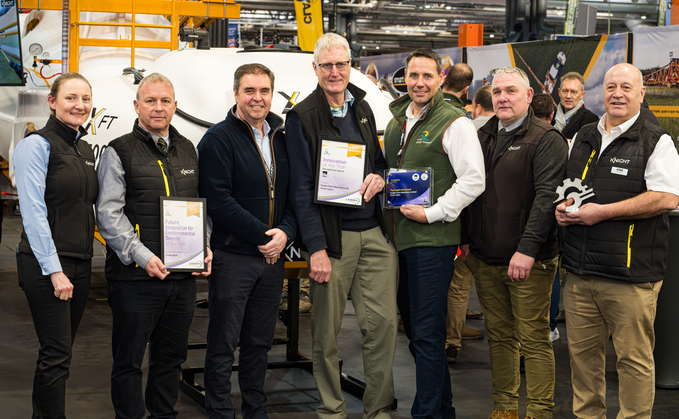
(495, 221)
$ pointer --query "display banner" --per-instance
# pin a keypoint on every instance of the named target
(657, 56)
(309, 22)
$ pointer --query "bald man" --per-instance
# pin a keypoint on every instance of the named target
(615, 247)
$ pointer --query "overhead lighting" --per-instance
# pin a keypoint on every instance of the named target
(387, 31)
(643, 17)
(448, 7)
(326, 1)
(405, 31)
(363, 47)
(559, 13)
(426, 6)
(491, 35)
(377, 47)
(295, 27)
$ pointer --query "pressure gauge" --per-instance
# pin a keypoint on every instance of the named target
(35, 49)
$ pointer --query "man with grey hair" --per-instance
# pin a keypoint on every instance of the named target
(347, 249)
(244, 174)
(615, 247)
(151, 306)
(571, 113)
(513, 246)
(426, 131)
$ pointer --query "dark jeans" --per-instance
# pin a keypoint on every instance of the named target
(244, 296)
(425, 275)
(157, 313)
(56, 322)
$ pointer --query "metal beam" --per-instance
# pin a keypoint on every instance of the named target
(203, 8)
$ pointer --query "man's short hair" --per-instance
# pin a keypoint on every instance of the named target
(459, 76)
(573, 75)
(330, 41)
(543, 106)
(155, 78)
(484, 97)
(253, 68)
(426, 53)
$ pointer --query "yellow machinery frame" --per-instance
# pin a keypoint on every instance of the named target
(180, 13)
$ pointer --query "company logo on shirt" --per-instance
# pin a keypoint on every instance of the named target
(424, 135)
(89, 163)
(619, 161)
(514, 148)
(186, 172)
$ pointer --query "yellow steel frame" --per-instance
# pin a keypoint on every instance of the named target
(180, 13)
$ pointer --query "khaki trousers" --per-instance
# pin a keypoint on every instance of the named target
(367, 269)
(599, 308)
(518, 312)
(458, 300)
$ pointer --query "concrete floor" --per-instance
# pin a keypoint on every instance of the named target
(291, 392)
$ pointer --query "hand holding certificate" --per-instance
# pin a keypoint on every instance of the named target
(341, 171)
(183, 226)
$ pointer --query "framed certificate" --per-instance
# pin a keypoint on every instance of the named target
(182, 234)
(408, 187)
(342, 168)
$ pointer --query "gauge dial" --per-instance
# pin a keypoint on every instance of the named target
(35, 49)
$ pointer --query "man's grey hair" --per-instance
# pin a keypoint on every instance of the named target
(330, 41)
(155, 78)
(573, 75)
(519, 75)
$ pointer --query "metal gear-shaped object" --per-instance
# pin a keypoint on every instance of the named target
(582, 193)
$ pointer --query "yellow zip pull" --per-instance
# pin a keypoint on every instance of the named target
(167, 185)
(584, 172)
(629, 245)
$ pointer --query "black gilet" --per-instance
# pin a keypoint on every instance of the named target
(71, 189)
(622, 250)
(150, 174)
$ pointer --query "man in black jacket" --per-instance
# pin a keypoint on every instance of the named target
(571, 113)
(151, 306)
(244, 176)
(615, 247)
(347, 250)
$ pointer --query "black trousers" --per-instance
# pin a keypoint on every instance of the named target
(244, 295)
(56, 322)
(158, 314)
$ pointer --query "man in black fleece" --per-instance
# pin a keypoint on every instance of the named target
(244, 175)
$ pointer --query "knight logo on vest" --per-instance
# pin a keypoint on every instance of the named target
(514, 148)
(619, 161)
(89, 163)
(186, 172)
(364, 120)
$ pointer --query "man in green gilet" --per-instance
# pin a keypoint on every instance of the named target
(428, 132)
(513, 244)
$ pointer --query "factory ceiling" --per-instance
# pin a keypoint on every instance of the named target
(398, 26)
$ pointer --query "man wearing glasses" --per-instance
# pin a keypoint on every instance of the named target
(347, 249)
(513, 247)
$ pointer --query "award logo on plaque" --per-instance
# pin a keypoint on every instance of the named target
(182, 230)
(409, 187)
(342, 168)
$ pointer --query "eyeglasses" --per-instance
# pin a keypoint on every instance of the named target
(340, 65)
(508, 70)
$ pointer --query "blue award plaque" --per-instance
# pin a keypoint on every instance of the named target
(408, 187)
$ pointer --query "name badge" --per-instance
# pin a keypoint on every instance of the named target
(619, 171)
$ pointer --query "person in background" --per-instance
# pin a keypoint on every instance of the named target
(571, 113)
(482, 106)
(57, 186)
(543, 107)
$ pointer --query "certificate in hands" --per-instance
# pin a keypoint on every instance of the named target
(342, 169)
(408, 187)
(182, 234)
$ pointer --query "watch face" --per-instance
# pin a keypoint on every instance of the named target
(35, 49)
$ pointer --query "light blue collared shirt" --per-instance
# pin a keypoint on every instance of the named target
(262, 140)
(30, 160)
(348, 101)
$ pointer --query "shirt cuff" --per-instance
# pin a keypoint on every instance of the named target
(50, 265)
(528, 248)
(434, 214)
(143, 256)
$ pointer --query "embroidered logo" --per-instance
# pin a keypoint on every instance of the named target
(619, 161)
(364, 120)
(424, 135)
(514, 148)
(89, 163)
(186, 172)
